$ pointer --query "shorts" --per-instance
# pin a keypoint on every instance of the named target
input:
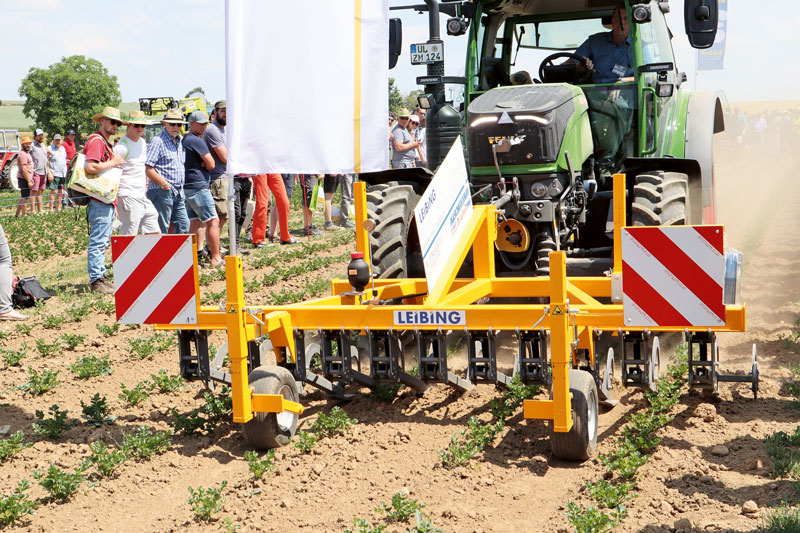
(24, 190)
(39, 182)
(57, 183)
(219, 193)
(135, 214)
(329, 184)
(200, 205)
(307, 182)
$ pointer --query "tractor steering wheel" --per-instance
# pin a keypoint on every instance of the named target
(548, 61)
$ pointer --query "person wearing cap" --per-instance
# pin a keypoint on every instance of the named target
(58, 167)
(403, 144)
(100, 157)
(25, 177)
(134, 210)
(41, 171)
(164, 169)
(199, 202)
(217, 142)
(69, 145)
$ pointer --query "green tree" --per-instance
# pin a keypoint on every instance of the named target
(395, 98)
(411, 100)
(196, 90)
(66, 94)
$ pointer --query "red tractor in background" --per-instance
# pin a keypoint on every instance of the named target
(9, 149)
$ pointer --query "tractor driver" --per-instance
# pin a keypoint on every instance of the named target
(608, 54)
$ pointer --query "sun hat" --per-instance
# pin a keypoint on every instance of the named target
(108, 112)
(25, 140)
(199, 116)
(414, 118)
(57, 137)
(402, 112)
(220, 105)
(137, 117)
(173, 116)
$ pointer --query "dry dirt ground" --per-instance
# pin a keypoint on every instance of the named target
(515, 485)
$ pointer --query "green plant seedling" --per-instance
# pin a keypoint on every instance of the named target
(24, 329)
(362, 525)
(258, 467)
(784, 519)
(60, 484)
(333, 424)
(164, 383)
(16, 505)
(473, 440)
(72, 340)
(97, 412)
(784, 448)
(385, 392)
(145, 443)
(106, 460)
(79, 311)
(53, 321)
(4, 335)
(424, 525)
(91, 366)
(106, 306)
(136, 395)
(108, 331)
(206, 501)
(610, 496)
(589, 520)
(401, 509)
(53, 427)
(189, 423)
(305, 441)
(13, 357)
(13, 445)
(38, 384)
(228, 525)
(46, 349)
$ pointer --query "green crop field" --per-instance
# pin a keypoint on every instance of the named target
(11, 116)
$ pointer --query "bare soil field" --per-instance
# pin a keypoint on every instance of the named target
(711, 461)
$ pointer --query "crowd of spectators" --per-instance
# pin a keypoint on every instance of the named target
(769, 132)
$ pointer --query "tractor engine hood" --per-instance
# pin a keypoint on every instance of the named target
(532, 118)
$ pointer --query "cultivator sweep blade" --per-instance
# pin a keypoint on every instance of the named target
(704, 372)
(432, 357)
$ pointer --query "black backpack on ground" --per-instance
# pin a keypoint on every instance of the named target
(27, 292)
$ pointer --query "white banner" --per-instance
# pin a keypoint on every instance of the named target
(307, 86)
(442, 213)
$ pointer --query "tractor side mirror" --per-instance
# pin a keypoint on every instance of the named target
(395, 41)
(700, 18)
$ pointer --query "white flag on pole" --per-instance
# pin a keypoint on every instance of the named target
(307, 86)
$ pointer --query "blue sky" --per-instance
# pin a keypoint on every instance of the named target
(166, 48)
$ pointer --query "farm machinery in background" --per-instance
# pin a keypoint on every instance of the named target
(592, 223)
(9, 150)
(159, 105)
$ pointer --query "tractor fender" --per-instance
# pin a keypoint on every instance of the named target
(419, 178)
(690, 167)
(704, 118)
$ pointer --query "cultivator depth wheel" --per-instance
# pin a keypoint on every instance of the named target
(272, 430)
(579, 443)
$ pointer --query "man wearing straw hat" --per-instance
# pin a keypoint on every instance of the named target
(164, 168)
(100, 158)
(134, 210)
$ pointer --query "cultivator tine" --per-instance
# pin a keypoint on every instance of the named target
(482, 358)
(751, 378)
(338, 364)
(303, 374)
(433, 362)
(703, 369)
(386, 360)
(604, 383)
(532, 364)
(637, 361)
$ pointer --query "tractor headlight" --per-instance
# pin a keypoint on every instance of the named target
(538, 189)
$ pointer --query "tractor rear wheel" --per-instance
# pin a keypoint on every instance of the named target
(394, 244)
(660, 199)
(579, 443)
(272, 430)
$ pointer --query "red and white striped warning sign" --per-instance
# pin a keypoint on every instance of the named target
(673, 276)
(155, 279)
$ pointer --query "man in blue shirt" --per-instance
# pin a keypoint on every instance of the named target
(164, 169)
(199, 202)
(609, 55)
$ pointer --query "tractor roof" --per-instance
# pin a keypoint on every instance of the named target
(546, 7)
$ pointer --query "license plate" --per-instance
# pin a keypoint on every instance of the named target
(424, 53)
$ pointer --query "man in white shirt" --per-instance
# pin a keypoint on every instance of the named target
(134, 210)
(58, 167)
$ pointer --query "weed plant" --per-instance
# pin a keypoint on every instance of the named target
(784, 519)
(91, 366)
(258, 467)
(16, 505)
(136, 395)
(206, 501)
(38, 384)
(97, 412)
(145, 443)
(784, 448)
(60, 484)
(55, 426)
(11, 446)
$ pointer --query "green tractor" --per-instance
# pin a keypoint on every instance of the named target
(545, 146)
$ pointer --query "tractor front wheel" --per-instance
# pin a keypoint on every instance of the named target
(272, 430)
(579, 443)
